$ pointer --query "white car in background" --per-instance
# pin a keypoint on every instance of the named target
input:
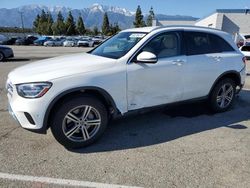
(54, 42)
(246, 51)
(86, 42)
(69, 43)
(98, 40)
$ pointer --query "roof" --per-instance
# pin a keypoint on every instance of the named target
(232, 10)
(141, 29)
(155, 28)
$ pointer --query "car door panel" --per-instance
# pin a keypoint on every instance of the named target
(155, 84)
(200, 74)
(207, 58)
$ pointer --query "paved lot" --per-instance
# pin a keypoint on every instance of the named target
(183, 146)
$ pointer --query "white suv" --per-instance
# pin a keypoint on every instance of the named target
(76, 95)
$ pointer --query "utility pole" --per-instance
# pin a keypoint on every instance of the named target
(21, 14)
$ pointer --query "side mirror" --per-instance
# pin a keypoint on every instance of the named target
(146, 57)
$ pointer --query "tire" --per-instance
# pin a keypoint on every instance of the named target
(1, 57)
(222, 95)
(69, 127)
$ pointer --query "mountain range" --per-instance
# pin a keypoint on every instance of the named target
(92, 16)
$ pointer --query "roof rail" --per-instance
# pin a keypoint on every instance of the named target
(185, 26)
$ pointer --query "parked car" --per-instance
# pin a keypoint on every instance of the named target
(5, 53)
(241, 39)
(26, 41)
(54, 42)
(69, 43)
(98, 40)
(40, 41)
(86, 42)
(246, 51)
(10, 41)
(3, 38)
(247, 43)
(76, 95)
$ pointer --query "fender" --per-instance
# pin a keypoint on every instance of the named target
(224, 74)
(104, 93)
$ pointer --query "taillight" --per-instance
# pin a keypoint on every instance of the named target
(244, 59)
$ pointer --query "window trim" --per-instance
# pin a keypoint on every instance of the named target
(90, 52)
(182, 43)
(221, 38)
(208, 34)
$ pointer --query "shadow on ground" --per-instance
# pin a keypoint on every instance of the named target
(168, 124)
(16, 60)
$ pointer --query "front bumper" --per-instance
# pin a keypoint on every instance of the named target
(8, 54)
(13, 114)
(27, 112)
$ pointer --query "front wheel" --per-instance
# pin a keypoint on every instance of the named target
(79, 122)
(223, 95)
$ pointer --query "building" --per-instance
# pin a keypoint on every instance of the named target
(233, 21)
(173, 22)
(229, 20)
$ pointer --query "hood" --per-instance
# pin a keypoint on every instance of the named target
(4, 47)
(49, 69)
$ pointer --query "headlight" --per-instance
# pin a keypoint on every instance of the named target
(33, 90)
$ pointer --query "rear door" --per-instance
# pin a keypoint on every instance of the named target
(207, 58)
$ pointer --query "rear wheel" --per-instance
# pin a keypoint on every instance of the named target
(79, 122)
(1, 56)
(223, 95)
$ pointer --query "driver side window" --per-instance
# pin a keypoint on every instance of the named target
(164, 45)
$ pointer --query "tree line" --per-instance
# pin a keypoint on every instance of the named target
(45, 25)
(15, 30)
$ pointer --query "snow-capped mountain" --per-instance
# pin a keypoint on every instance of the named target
(92, 16)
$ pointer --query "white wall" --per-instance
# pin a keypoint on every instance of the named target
(240, 19)
(176, 22)
(210, 21)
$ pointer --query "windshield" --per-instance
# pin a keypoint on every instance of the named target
(118, 45)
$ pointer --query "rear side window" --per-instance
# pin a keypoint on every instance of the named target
(203, 43)
(219, 45)
(197, 43)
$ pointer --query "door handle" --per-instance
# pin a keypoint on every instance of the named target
(217, 58)
(178, 62)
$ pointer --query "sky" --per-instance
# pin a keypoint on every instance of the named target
(196, 8)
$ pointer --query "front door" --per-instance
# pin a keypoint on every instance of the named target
(160, 83)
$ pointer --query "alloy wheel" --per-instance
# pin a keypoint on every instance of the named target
(81, 123)
(225, 95)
